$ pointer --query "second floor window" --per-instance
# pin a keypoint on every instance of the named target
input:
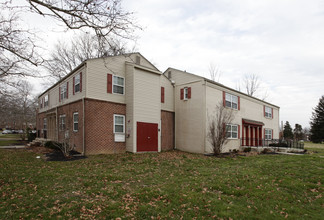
(118, 85)
(268, 112)
(77, 83)
(63, 90)
(46, 101)
(231, 101)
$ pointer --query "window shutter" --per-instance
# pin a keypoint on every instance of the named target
(181, 94)
(264, 111)
(162, 94)
(109, 83)
(67, 89)
(238, 103)
(81, 82)
(224, 98)
(73, 85)
(189, 92)
(59, 93)
(239, 131)
(272, 134)
(272, 112)
(264, 133)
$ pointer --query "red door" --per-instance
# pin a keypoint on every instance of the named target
(147, 137)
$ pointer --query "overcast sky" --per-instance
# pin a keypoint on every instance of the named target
(280, 41)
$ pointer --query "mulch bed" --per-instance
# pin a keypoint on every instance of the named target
(55, 155)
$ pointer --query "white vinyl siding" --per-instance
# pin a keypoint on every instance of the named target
(231, 101)
(119, 124)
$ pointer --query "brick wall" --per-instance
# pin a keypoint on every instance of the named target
(40, 124)
(76, 137)
(99, 122)
(167, 130)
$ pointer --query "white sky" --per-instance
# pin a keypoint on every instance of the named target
(280, 41)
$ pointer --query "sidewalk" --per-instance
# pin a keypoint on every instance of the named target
(13, 147)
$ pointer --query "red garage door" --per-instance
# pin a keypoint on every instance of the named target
(147, 137)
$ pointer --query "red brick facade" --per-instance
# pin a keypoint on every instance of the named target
(76, 137)
(40, 124)
(167, 130)
(99, 123)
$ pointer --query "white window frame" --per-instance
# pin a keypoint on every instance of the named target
(77, 82)
(232, 131)
(231, 99)
(46, 100)
(75, 122)
(45, 124)
(113, 85)
(63, 91)
(62, 126)
(268, 112)
(123, 116)
(268, 134)
(185, 93)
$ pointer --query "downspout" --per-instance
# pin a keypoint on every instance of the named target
(83, 128)
(56, 128)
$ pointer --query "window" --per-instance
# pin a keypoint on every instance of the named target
(231, 101)
(118, 85)
(46, 101)
(75, 121)
(185, 92)
(77, 83)
(45, 124)
(63, 91)
(119, 124)
(232, 131)
(62, 123)
(268, 134)
(268, 112)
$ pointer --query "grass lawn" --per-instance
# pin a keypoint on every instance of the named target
(10, 139)
(162, 185)
(11, 136)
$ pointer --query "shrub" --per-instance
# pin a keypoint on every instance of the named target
(50, 144)
(247, 149)
(265, 150)
(278, 145)
(30, 136)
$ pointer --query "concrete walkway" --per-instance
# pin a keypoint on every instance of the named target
(13, 147)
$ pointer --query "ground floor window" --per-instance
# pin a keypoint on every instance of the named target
(119, 124)
(232, 131)
(75, 121)
(45, 124)
(62, 122)
(268, 134)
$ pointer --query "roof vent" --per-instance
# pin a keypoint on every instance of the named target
(138, 60)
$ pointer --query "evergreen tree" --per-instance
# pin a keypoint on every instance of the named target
(317, 122)
(287, 132)
(298, 132)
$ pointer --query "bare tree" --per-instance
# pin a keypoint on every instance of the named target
(104, 18)
(65, 146)
(65, 57)
(251, 86)
(218, 120)
(214, 72)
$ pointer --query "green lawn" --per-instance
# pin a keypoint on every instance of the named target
(13, 136)
(162, 185)
(9, 139)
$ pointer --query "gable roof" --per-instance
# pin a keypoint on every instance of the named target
(221, 85)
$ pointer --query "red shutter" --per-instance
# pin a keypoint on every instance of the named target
(264, 110)
(162, 94)
(189, 93)
(272, 112)
(80, 82)
(60, 94)
(272, 134)
(73, 89)
(224, 98)
(181, 94)
(67, 89)
(109, 83)
(239, 131)
(238, 100)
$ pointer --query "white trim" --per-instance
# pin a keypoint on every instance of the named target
(118, 85)
(268, 114)
(123, 116)
(231, 131)
(185, 93)
(231, 100)
(75, 113)
(265, 134)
